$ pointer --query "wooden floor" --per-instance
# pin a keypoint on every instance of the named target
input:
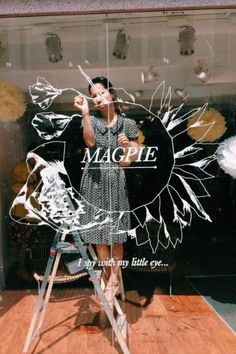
(183, 324)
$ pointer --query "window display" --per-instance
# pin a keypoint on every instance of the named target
(132, 121)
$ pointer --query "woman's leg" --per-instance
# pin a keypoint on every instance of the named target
(113, 284)
(117, 254)
(103, 252)
(106, 252)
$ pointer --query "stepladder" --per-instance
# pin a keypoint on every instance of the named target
(60, 246)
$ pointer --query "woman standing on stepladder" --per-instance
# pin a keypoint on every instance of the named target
(103, 183)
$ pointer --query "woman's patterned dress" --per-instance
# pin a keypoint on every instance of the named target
(103, 184)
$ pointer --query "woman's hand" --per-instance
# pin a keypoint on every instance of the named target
(131, 149)
(82, 104)
(88, 133)
(123, 140)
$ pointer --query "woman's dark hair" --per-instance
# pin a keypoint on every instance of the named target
(108, 85)
(104, 81)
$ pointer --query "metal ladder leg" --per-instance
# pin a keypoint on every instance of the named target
(32, 333)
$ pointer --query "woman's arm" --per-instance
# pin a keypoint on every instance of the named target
(88, 133)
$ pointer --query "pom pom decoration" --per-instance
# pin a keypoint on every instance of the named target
(141, 138)
(206, 127)
(12, 102)
(226, 156)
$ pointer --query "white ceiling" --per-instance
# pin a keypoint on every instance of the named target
(89, 40)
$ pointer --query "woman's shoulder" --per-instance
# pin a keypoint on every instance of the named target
(127, 120)
(94, 118)
(130, 128)
(130, 123)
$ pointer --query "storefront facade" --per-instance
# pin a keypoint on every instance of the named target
(173, 68)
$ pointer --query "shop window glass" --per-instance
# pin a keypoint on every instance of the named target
(141, 175)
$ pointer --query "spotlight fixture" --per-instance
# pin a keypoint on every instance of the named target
(181, 93)
(2, 49)
(186, 40)
(121, 45)
(150, 75)
(201, 71)
(53, 46)
(136, 95)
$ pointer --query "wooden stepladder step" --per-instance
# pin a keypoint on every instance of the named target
(59, 246)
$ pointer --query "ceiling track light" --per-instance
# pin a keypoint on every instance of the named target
(186, 40)
(121, 45)
(136, 95)
(181, 93)
(150, 75)
(54, 48)
(2, 49)
(202, 73)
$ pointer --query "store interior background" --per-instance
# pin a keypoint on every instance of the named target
(88, 41)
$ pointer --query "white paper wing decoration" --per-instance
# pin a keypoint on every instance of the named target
(226, 156)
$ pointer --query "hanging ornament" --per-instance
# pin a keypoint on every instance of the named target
(206, 127)
(12, 102)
